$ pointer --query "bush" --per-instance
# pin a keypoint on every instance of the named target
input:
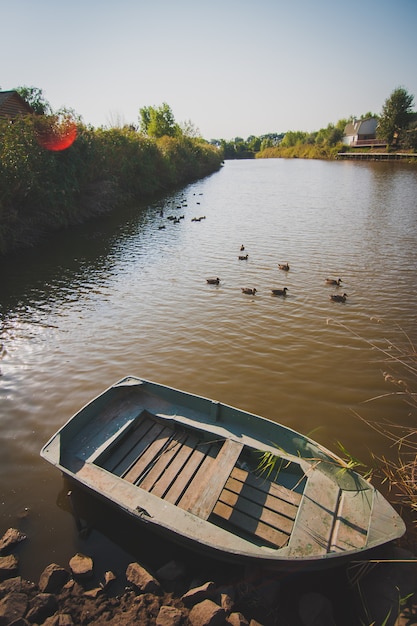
(42, 190)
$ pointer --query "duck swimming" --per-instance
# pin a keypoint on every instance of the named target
(279, 292)
(284, 266)
(243, 257)
(332, 281)
(213, 281)
(338, 298)
(249, 291)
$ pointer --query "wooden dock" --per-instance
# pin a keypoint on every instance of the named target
(378, 156)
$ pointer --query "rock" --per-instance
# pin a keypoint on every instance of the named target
(73, 588)
(142, 579)
(15, 585)
(10, 538)
(207, 613)
(197, 594)
(81, 566)
(109, 577)
(168, 616)
(314, 608)
(59, 619)
(13, 607)
(8, 566)
(170, 571)
(43, 605)
(93, 593)
(53, 578)
(237, 619)
(226, 602)
(20, 621)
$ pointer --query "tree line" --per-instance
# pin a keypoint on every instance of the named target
(397, 127)
(48, 180)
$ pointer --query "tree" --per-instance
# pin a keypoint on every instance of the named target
(253, 143)
(293, 138)
(158, 121)
(395, 115)
(189, 129)
(34, 96)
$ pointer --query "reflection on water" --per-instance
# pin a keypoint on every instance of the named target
(121, 296)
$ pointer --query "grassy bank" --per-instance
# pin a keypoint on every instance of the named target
(43, 190)
(300, 151)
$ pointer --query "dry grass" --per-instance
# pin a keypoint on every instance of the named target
(400, 374)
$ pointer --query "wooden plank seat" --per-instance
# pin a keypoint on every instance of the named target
(258, 507)
(174, 464)
(207, 484)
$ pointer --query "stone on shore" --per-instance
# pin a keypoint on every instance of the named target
(59, 619)
(53, 578)
(197, 594)
(11, 537)
(8, 566)
(168, 616)
(109, 577)
(237, 619)
(226, 602)
(13, 607)
(142, 580)
(16, 585)
(93, 593)
(43, 605)
(81, 566)
(207, 613)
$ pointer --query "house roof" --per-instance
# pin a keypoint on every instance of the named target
(354, 128)
(12, 104)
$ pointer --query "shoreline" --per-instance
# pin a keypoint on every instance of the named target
(177, 594)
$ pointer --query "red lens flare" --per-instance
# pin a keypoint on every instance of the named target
(56, 134)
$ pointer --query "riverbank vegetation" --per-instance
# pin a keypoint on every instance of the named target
(398, 360)
(44, 187)
(397, 128)
(56, 171)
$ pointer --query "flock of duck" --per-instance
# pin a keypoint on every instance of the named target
(251, 291)
(175, 219)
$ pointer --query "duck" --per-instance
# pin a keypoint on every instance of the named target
(284, 266)
(213, 281)
(249, 291)
(279, 292)
(332, 281)
(242, 247)
(243, 257)
(338, 298)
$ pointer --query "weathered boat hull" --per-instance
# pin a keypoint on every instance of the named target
(187, 467)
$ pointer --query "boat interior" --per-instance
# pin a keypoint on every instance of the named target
(214, 478)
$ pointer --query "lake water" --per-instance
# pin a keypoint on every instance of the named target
(122, 296)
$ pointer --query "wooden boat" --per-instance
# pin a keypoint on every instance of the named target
(188, 467)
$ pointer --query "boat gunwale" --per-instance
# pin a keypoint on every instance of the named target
(224, 429)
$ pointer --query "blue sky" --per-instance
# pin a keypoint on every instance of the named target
(231, 67)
